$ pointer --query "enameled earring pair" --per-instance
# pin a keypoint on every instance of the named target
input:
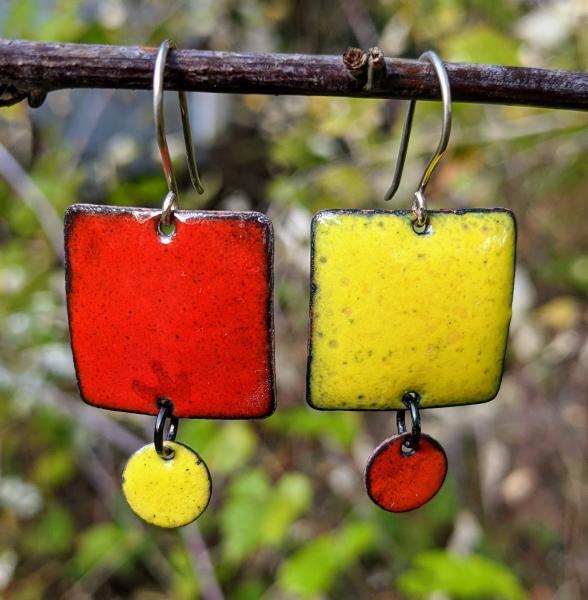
(170, 314)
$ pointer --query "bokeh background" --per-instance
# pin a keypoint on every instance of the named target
(289, 518)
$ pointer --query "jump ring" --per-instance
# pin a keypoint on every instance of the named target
(411, 400)
(165, 413)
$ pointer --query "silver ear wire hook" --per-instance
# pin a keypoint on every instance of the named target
(170, 203)
(419, 206)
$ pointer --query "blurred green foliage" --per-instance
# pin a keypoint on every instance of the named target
(289, 517)
(459, 577)
(313, 569)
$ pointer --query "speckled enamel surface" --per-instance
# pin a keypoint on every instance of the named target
(399, 481)
(393, 311)
(186, 318)
(167, 493)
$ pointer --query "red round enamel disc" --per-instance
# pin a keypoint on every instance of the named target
(399, 480)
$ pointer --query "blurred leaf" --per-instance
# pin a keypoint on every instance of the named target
(148, 188)
(242, 516)
(54, 468)
(340, 186)
(548, 538)
(197, 433)
(295, 151)
(502, 14)
(563, 312)
(340, 427)
(53, 534)
(19, 14)
(312, 570)
(419, 529)
(63, 25)
(350, 119)
(184, 582)
(32, 588)
(459, 577)
(257, 514)
(249, 590)
(291, 497)
(224, 446)
(332, 186)
(26, 20)
(571, 270)
(289, 190)
(481, 45)
(232, 447)
(49, 427)
(105, 545)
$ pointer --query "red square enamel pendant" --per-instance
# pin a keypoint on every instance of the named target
(187, 318)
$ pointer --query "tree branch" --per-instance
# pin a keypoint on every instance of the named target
(38, 66)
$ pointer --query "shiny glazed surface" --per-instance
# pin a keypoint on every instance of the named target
(393, 311)
(167, 493)
(187, 318)
(399, 482)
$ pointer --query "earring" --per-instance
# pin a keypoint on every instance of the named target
(409, 310)
(170, 314)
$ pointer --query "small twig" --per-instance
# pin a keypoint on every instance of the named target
(202, 563)
(21, 182)
(99, 477)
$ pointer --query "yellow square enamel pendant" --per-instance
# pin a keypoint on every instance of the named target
(394, 311)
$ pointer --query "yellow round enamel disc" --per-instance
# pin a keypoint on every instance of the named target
(167, 492)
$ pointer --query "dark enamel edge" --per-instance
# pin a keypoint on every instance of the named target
(122, 478)
(383, 446)
(71, 214)
(313, 288)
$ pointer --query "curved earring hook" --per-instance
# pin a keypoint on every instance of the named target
(170, 203)
(420, 202)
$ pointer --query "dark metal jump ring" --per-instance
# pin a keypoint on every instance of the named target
(165, 413)
(411, 400)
